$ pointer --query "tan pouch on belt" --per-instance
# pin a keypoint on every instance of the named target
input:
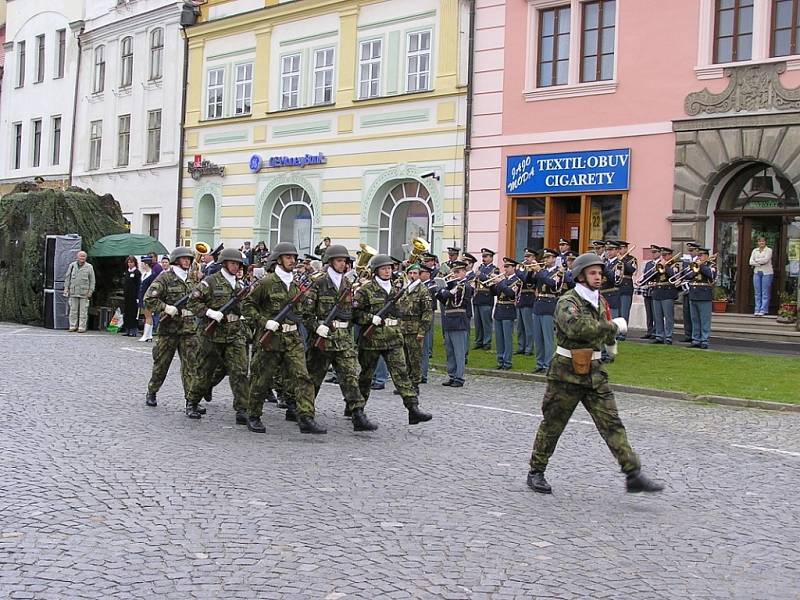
(582, 360)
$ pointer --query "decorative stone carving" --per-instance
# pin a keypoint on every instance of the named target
(752, 88)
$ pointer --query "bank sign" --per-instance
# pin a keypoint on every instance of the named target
(257, 163)
(594, 171)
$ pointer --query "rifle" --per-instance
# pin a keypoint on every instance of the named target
(227, 307)
(369, 331)
(179, 305)
(304, 284)
(319, 343)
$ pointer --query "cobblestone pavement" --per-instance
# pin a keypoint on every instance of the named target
(103, 497)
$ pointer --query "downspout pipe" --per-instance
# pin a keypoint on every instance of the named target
(468, 129)
(182, 135)
(77, 29)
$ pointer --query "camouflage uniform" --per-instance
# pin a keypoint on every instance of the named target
(225, 347)
(285, 352)
(580, 325)
(416, 317)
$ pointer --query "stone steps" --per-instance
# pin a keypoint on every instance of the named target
(747, 327)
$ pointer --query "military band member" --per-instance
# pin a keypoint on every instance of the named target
(416, 318)
(625, 282)
(430, 261)
(505, 312)
(470, 261)
(647, 291)
(687, 259)
(226, 346)
(527, 297)
(583, 327)
(599, 248)
(483, 300)
(387, 339)
(609, 289)
(701, 282)
(456, 314)
(664, 295)
(569, 281)
(563, 248)
(427, 344)
(334, 289)
(548, 287)
(453, 253)
(285, 351)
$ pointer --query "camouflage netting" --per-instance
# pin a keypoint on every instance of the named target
(27, 215)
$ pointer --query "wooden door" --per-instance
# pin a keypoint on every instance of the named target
(770, 228)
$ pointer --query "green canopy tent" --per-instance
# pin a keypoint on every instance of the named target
(126, 244)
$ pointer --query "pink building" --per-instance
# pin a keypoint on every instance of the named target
(645, 120)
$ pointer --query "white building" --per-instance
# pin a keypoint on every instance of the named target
(128, 119)
(36, 108)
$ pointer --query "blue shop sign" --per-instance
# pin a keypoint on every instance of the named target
(593, 171)
(257, 163)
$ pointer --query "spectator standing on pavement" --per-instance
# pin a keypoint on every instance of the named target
(156, 266)
(319, 249)
(132, 278)
(148, 276)
(761, 261)
(248, 254)
(260, 253)
(164, 264)
(79, 285)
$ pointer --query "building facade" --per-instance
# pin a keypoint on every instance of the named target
(322, 118)
(38, 91)
(656, 122)
(130, 103)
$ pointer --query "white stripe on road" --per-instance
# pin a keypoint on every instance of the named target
(142, 350)
(514, 412)
(762, 449)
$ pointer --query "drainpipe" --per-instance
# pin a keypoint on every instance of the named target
(78, 25)
(182, 134)
(468, 131)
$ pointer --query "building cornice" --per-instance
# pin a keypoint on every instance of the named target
(126, 22)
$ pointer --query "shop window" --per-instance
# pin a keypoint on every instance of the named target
(529, 227)
(605, 217)
(406, 214)
(291, 220)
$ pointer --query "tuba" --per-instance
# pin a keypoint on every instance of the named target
(201, 249)
(418, 247)
(362, 263)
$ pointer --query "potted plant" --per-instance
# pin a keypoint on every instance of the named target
(719, 304)
(787, 312)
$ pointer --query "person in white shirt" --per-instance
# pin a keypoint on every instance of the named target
(761, 261)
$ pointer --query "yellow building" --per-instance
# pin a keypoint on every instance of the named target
(337, 118)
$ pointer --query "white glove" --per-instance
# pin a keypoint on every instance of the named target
(171, 310)
(377, 321)
(215, 314)
(612, 350)
(622, 325)
(273, 325)
(323, 331)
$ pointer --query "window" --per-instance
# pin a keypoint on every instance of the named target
(244, 89)
(17, 145)
(126, 64)
(37, 142)
(554, 46)
(99, 69)
(123, 140)
(290, 81)
(733, 36)
(61, 52)
(418, 72)
(323, 76)
(369, 72)
(95, 144)
(20, 64)
(406, 211)
(156, 53)
(216, 85)
(291, 219)
(785, 27)
(56, 155)
(39, 58)
(153, 136)
(152, 225)
(597, 40)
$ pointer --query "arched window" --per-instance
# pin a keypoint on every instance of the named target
(758, 187)
(156, 53)
(99, 69)
(205, 217)
(126, 63)
(406, 213)
(291, 220)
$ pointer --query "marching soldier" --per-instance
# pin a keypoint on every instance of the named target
(686, 260)
(386, 340)
(701, 281)
(427, 343)
(505, 312)
(483, 301)
(285, 351)
(527, 297)
(456, 314)
(628, 268)
(332, 342)
(416, 318)
(647, 291)
(583, 327)
(548, 286)
(664, 295)
(226, 346)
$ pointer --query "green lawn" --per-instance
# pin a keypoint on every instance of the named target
(700, 372)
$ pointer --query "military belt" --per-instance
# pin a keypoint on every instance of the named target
(288, 328)
(506, 302)
(451, 311)
(547, 296)
(699, 285)
(340, 324)
(391, 322)
(231, 318)
(528, 292)
(568, 353)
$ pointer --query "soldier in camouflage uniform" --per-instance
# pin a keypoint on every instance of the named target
(334, 289)
(387, 340)
(177, 330)
(576, 374)
(226, 345)
(416, 317)
(285, 351)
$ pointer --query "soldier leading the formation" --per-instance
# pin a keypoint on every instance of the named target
(416, 318)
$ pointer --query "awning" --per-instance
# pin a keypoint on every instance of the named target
(126, 244)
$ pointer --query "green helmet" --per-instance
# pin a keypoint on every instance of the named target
(380, 260)
(231, 254)
(180, 252)
(284, 248)
(584, 261)
(336, 251)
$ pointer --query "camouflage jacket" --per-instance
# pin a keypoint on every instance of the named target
(168, 288)
(213, 292)
(416, 311)
(266, 300)
(368, 300)
(319, 302)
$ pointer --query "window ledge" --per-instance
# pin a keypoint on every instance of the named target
(152, 84)
(123, 91)
(570, 91)
(95, 97)
(718, 71)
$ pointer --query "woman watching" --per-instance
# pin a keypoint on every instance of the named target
(761, 261)
(132, 279)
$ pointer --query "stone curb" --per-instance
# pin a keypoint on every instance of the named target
(632, 389)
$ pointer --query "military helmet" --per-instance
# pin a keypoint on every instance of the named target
(380, 260)
(284, 248)
(231, 254)
(335, 251)
(584, 261)
(180, 252)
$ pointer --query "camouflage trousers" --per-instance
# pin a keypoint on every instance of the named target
(291, 363)
(214, 360)
(560, 401)
(164, 348)
(396, 364)
(345, 365)
(412, 349)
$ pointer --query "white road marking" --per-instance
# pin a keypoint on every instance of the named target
(140, 350)
(762, 449)
(44, 335)
(515, 412)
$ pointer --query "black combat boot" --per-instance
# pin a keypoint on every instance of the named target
(309, 425)
(150, 399)
(638, 482)
(198, 408)
(361, 422)
(208, 396)
(192, 412)
(241, 417)
(538, 483)
(415, 415)
(255, 425)
(282, 404)
(291, 415)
